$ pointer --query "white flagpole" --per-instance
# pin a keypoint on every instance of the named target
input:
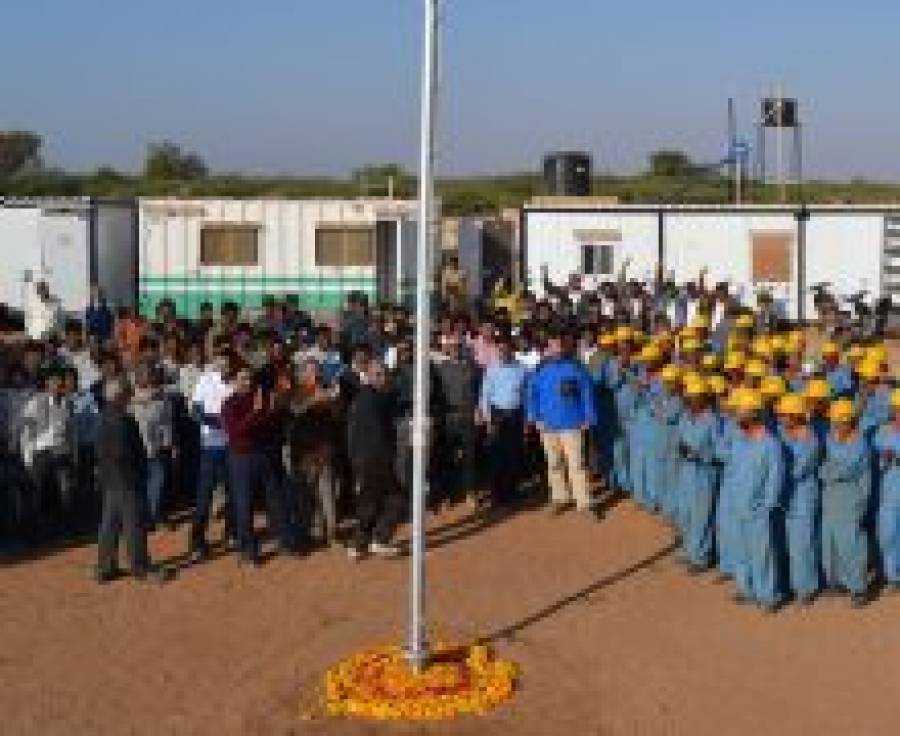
(418, 646)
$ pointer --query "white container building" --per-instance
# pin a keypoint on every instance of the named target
(215, 250)
(781, 249)
(71, 244)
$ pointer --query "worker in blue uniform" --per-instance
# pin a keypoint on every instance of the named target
(697, 480)
(647, 440)
(803, 454)
(726, 515)
(618, 382)
(838, 374)
(846, 475)
(670, 409)
(874, 397)
(759, 482)
(887, 445)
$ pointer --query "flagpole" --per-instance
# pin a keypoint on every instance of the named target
(417, 650)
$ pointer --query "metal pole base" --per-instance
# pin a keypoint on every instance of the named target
(418, 659)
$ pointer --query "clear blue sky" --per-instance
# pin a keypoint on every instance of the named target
(321, 86)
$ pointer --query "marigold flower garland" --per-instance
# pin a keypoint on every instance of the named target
(378, 683)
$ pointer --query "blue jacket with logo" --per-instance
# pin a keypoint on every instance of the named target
(560, 396)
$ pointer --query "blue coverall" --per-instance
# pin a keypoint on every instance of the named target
(647, 447)
(624, 402)
(887, 443)
(671, 409)
(726, 511)
(802, 509)
(697, 486)
(846, 475)
(758, 467)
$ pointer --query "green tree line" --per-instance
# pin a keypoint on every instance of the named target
(169, 170)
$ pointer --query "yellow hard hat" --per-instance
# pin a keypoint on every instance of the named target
(607, 340)
(734, 361)
(650, 354)
(695, 388)
(691, 377)
(747, 401)
(869, 370)
(624, 333)
(772, 387)
(762, 347)
(841, 411)
(756, 368)
(670, 374)
(830, 350)
(690, 345)
(701, 322)
(855, 353)
(895, 398)
(791, 405)
(717, 385)
(710, 361)
(777, 344)
(744, 322)
(818, 389)
(877, 354)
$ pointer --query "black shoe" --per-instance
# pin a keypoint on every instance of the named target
(250, 561)
(742, 600)
(106, 576)
(558, 509)
(198, 554)
(860, 600)
(693, 569)
(155, 575)
(807, 599)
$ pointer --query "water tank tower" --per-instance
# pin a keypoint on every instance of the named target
(567, 174)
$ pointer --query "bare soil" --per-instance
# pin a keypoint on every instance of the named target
(612, 635)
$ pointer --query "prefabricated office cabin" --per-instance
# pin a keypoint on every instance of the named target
(785, 250)
(71, 244)
(216, 250)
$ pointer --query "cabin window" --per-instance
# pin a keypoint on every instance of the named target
(771, 257)
(341, 246)
(229, 245)
(597, 260)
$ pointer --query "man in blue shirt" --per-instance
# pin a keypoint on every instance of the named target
(500, 408)
(560, 403)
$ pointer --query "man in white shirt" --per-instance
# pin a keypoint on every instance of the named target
(210, 393)
(42, 313)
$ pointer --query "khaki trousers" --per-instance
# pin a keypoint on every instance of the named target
(566, 472)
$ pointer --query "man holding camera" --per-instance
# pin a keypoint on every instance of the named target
(560, 404)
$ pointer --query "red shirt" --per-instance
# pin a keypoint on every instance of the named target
(242, 425)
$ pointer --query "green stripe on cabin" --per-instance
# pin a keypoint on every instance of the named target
(314, 293)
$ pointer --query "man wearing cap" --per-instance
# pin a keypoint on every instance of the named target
(560, 404)
(846, 475)
(838, 375)
(500, 407)
(697, 478)
(887, 444)
(803, 454)
(758, 465)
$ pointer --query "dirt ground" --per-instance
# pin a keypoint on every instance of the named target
(613, 637)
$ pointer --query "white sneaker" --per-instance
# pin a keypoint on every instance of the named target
(353, 554)
(384, 550)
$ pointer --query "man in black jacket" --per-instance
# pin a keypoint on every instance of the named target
(371, 443)
(120, 460)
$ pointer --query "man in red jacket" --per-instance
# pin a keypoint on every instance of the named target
(251, 419)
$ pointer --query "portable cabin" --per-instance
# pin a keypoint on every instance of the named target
(216, 250)
(784, 250)
(72, 244)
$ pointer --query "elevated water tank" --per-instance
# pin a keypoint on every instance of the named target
(567, 174)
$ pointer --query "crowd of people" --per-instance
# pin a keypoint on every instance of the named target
(772, 450)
